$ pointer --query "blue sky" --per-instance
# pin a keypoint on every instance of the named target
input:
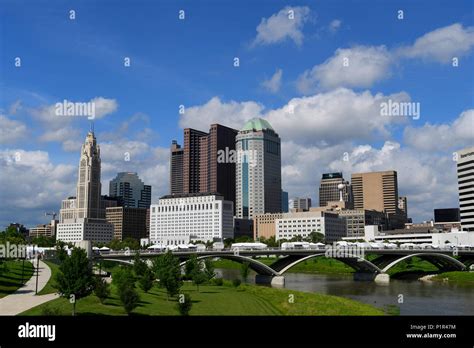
(190, 62)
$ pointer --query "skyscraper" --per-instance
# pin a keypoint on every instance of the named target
(198, 165)
(329, 189)
(217, 175)
(88, 191)
(131, 189)
(83, 217)
(191, 160)
(378, 191)
(258, 176)
(176, 168)
(465, 170)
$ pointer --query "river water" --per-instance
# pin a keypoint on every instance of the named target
(418, 297)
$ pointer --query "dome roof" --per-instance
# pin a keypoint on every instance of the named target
(257, 124)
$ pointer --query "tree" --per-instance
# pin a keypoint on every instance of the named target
(139, 266)
(115, 244)
(190, 265)
(184, 304)
(316, 237)
(209, 269)
(129, 298)
(244, 239)
(61, 252)
(244, 271)
(101, 289)
(131, 243)
(146, 280)
(198, 275)
(167, 270)
(75, 279)
(122, 277)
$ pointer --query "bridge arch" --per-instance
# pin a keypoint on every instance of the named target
(353, 261)
(441, 261)
(257, 266)
(128, 262)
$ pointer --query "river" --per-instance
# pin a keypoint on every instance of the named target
(418, 297)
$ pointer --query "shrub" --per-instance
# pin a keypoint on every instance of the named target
(236, 282)
(101, 289)
(184, 304)
(218, 281)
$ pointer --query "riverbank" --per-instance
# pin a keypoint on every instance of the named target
(217, 300)
(461, 278)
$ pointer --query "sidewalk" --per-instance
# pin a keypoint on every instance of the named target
(24, 298)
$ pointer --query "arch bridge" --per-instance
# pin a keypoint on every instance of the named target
(373, 269)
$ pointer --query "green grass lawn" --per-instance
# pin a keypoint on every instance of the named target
(49, 287)
(218, 300)
(10, 278)
(464, 278)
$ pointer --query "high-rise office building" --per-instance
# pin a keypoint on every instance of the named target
(258, 176)
(131, 190)
(192, 159)
(378, 191)
(203, 164)
(329, 189)
(465, 170)
(301, 203)
(128, 222)
(217, 173)
(285, 208)
(176, 168)
(83, 217)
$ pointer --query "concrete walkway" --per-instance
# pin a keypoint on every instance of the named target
(24, 298)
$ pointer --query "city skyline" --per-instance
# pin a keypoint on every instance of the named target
(307, 98)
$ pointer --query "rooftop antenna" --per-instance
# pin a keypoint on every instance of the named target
(92, 127)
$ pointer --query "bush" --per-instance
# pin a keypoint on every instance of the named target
(236, 282)
(218, 281)
(184, 304)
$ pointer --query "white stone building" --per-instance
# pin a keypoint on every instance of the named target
(179, 219)
(303, 223)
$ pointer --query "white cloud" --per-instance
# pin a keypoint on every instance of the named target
(359, 66)
(274, 83)
(442, 137)
(335, 116)
(32, 184)
(282, 26)
(49, 118)
(11, 131)
(427, 179)
(104, 106)
(335, 25)
(232, 114)
(442, 44)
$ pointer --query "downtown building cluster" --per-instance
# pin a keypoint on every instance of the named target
(227, 183)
